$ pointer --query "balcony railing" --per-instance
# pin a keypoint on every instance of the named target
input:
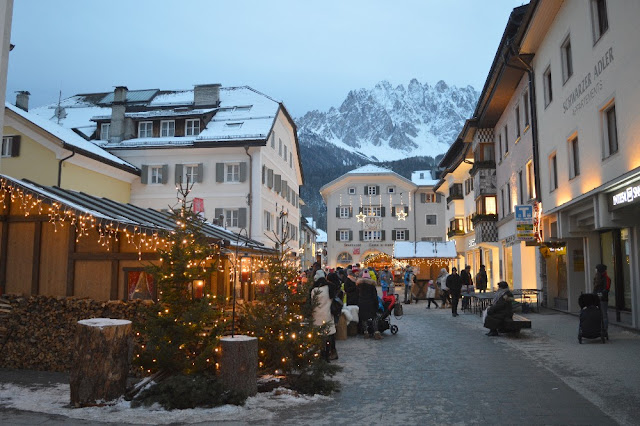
(477, 218)
(455, 232)
(455, 196)
(477, 165)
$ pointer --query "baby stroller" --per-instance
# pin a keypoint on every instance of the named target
(382, 321)
(591, 321)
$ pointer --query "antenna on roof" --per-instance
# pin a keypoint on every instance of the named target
(60, 113)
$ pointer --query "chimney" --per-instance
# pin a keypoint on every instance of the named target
(206, 95)
(22, 100)
(118, 107)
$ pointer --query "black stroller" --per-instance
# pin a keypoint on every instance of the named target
(382, 321)
(591, 321)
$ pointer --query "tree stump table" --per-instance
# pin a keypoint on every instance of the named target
(239, 364)
(101, 359)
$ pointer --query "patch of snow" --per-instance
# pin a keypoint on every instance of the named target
(238, 338)
(103, 322)
(55, 400)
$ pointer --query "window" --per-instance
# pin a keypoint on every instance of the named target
(268, 221)
(372, 235)
(525, 99)
(345, 212)
(486, 205)
(574, 155)
(469, 220)
(502, 204)
(156, 174)
(231, 218)
(105, 131)
(344, 258)
(285, 153)
(429, 197)
(421, 175)
(509, 200)
(548, 91)
(232, 172)
(500, 147)
(520, 187)
(531, 187)
(351, 191)
(280, 147)
(391, 189)
(273, 141)
(372, 190)
(401, 235)
(553, 169)
(11, 146)
(190, 173)
(468, 186)
(518, 122)
(610, 130)
(167, 128)
(192, 127)
(599, 18)
(567, 60)
(145, 129)
(372, 211)
(290, 159)
(344, 235)
(506, 140)
(431, 219)
(456, 225)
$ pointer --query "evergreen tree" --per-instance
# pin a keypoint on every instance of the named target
(181, 330)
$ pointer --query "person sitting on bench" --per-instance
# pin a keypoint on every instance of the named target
(500, 312)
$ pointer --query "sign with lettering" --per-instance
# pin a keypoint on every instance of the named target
(584, 93)
(524, 222)
(625, 196)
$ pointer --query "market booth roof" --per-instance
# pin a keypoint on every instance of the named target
(424, 250)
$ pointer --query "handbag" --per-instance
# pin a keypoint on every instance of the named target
(336, 306)
(398, 310)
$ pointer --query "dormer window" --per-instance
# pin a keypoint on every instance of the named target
(105, 129)
(234, 125)
(167, 128)
(192, 127)
(145, 129)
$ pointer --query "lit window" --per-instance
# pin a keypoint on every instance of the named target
(233, 173)
(192, 127)
(105, 131)
(372, 211)
(167, 128)
(145, 129)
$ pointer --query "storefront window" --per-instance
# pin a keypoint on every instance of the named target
(508, 265)
(625, 246)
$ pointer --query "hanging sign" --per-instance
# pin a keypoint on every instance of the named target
(524, 222)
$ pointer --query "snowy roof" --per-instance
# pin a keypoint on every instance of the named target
(424, 250)
(243, 114)
(322, 236)
(69, 137)
(127, 215)
(370, 169)
(423, 178)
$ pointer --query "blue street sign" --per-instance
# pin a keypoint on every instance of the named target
(524, 213)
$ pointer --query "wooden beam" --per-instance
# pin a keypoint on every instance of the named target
(35, 268)
(113, 256)
(22, 218)
(71, 263)
(4, 244)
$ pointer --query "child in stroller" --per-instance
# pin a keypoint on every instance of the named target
(591, 322)
(382, 320)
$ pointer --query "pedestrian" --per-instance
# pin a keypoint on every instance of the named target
(454, 283)
(367, 303)
(431, 294)
(601, 287)
(322, 314)
(384, 281)
(409, 277)
(441, 281)
(482, 280)
(465, 276)
(350, 287)
(501, 310)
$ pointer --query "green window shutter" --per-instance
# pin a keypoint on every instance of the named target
(438, 198)
(284, 189)
(178, 174)
(393, 212)
(337, 235)
(350, 211)
(200, 177)
(165, 173)
(243, 172)
(393, 235)
(264, 174)
(423, 198)
(406, 209)
(218, 213)
(219, 172)
(15, 146)
(359, 210)
(382, 237)
(144, 174)
(242, 217)
(337, 211)
(366, 189)
(350, 235)
(277, 183)
(269, 178)
(361, 235)
(382, 210)
(377, 190)
(406, 235)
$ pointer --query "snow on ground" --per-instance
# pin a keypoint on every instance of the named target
(55, 400)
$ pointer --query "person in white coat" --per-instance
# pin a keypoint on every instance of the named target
(441, 281)
(322, 314)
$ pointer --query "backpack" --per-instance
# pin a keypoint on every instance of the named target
(336, 304)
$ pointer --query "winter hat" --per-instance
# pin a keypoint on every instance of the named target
(319, 274)
(355, 271)
(503, 284)
(333, 278)
(601, 268)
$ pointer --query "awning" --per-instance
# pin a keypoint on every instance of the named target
(424, 250)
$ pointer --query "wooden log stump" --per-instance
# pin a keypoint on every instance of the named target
(341, 328)
(239, 364)
(101, 359)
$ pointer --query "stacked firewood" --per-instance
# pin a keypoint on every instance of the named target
(40, 330)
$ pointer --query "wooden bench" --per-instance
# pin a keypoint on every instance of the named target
(518, 323)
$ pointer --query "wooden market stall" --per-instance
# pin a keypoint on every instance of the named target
(58, 242)
(426, 258)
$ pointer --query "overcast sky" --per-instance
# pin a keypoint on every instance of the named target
(308, 54)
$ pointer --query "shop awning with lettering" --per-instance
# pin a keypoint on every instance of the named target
(424, 250)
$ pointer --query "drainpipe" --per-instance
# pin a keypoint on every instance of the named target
(73, 152)
(249, 195)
